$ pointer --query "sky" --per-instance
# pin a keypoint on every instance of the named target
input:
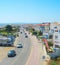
(29, 11)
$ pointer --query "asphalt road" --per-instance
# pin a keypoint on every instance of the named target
(22, 53)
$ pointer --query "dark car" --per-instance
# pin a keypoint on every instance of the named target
(26, 36)
(21, 32)
(11, 53)
(19, 46)
(25, 33)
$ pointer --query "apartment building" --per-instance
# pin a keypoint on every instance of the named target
(44, 28)
(55, 30)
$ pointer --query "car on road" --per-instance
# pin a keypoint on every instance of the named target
(19, 45)
(26, 36)
(11, 53)
(25, 33)
(21, 32)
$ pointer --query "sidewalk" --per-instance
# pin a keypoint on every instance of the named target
(36, 54)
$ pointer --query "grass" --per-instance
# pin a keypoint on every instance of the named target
(54, 62)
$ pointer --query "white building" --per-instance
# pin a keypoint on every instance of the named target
(55, 30)
(4, 40)
(37, 28)
(43, 27)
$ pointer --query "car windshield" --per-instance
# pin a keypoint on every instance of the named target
(12, 51)
(19, 44)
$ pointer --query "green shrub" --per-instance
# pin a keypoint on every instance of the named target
(54, 63)
(34, 33)
(50, 43)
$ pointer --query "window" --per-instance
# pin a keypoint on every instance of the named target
(59, 31)
(52, 30)
(56, 37)
(57, 46)
(55, 27)
(50, 36)
(56, 42)
(56, 30)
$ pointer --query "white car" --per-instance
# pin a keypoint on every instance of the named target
(19, 46)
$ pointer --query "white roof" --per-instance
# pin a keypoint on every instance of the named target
(4, 38)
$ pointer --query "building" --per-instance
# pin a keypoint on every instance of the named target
(5, 41)
(44, 27)
(55, 30)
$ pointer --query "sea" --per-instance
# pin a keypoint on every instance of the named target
(4, 24)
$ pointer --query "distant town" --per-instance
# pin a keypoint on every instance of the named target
(30, 43)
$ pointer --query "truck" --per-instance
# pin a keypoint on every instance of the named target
(6, 41)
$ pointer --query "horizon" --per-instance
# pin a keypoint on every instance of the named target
(25, 23)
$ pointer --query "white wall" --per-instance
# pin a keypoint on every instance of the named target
(56, 35)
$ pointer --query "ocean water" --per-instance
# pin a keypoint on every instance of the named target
(4, 24)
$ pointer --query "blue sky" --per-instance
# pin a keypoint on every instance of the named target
(29, 11)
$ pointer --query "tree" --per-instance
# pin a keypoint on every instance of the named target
(8, 28)
(39, 33)
(33, 29)
(34, 33)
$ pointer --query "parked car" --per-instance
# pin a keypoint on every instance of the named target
(11, 53)
(19, 45)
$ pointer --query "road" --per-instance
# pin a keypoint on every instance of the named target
(22, 53)
(37, 52)
(30, 54)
